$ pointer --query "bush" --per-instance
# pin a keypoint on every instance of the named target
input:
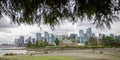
(10, 54)
(45, 52)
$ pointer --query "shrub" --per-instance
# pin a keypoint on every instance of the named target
(10, 54)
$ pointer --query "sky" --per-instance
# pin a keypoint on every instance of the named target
(9, 31)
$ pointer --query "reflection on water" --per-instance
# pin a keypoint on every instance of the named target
(2, 52)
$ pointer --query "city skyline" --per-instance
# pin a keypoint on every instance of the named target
(8, 32)
(81, 38)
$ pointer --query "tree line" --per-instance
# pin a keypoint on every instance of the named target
(41, 43)
(106, 41)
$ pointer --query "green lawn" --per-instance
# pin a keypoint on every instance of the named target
(36, 58)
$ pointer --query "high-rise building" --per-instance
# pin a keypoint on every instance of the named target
(81, 33)
(33, 40)
(78, 40)
(81, 39)
(86, 37)
(52, 38)
(89, 32)
(29, 39)
(47, 36)
(16, 41)
(81, 36)
(38, 36)
(73, 36)
(20, 41)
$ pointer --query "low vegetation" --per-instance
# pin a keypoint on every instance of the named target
(10, 54)
(36, 58)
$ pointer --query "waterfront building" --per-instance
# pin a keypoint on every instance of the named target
(20, 41)
(89, 32)
(52, 39)
(73, 36)
(86, 38)
(81, 33)
(33, 40)
(26, 41)
(81, 36)
(78, 39)
(38, 36)
(47, 36)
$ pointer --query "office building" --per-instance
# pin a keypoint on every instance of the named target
(86, 37)
(52, 39)
(47, 36)
(89, 32)
(81, 33)
(73, 36)
(81, 36)
(38, 36)
(20, 41)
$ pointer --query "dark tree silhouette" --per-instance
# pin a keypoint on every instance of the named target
(57, 41)
(51, 12)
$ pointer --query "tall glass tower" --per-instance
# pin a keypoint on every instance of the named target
(47, 36)
(89, 32)
(81, 36)
(38, 36)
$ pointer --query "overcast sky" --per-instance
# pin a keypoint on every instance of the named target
(8, 31)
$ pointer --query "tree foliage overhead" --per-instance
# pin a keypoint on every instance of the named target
(51, 12)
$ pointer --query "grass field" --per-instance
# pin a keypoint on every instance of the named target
(36, 58)
(85, 54)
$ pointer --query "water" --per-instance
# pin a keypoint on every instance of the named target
(2, 52)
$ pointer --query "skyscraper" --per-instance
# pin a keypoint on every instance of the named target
(38, 36)
(28, 40)
(20, 41)
(86, 37)
(33, 40)
(81, 33)
(47, 36)
(81, 36)
(78, 40)
(81, 39)
(52, 38)
(89, 32)
(73, 36)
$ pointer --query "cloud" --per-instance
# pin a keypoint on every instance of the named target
(5, 25)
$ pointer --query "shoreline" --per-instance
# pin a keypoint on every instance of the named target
(13, 48)
(85, 54)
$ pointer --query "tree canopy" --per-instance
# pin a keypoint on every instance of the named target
(52, 12)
